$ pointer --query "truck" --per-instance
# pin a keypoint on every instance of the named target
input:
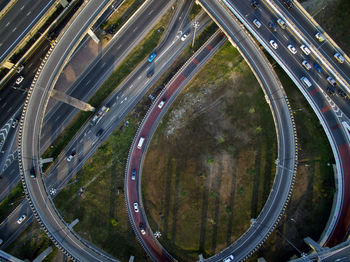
(99, 115)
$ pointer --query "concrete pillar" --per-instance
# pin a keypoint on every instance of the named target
(71, 225)
(8, 65)
(8, 257)
(200, 257)
(60, 96)
(131, 259)
(315, 246)
(93, 36)
(43, 255)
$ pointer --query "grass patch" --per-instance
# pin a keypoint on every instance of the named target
(208, 155)
(11, 201)
(195, 10)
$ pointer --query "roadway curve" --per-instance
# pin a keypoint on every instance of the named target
(287, 153)
(29, 133)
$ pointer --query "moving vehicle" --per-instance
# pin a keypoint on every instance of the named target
(342, 93)
(331, 81)
(273, 44)
(99, 115)
(142, 229)
(136, 207)
(257, 23)
(320, 37)
(305, 49)
(19, 80)
(32, 172)
(99, 133)
(306, 81)
(254, 4)
(281, 23)
(139, 145)
(184, 36)
(133, 174)
(229, 258)
(14, 123)
(318, 68)
(152, 56)
(19, 69)
(288, 3)
(272, 26)
(21, 219)
(161, 104)
(339, 58)
(330, 90)
(70, 157)
(306, 64)
(292, 49)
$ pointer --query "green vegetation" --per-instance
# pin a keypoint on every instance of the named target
(195, 10)
(12, 201)
(209, 153)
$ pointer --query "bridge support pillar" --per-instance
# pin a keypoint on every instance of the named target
(60, 96)
(315, 246)
(8, 65)
(93, 36)
(43, 255)
(71, 225)
(131, 259)
(201, 258)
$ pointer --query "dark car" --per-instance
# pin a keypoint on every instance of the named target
(318, 68)
(32, 173)
(330, 90)
(99, 133)
(342, 93)
(273, 26)
(288, 3)
(254, 3)
(150, 73)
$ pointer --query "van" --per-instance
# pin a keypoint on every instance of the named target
(339, 58)
(139, 145)
(306, 81)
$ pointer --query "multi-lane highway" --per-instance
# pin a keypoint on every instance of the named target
(18, 21)
(324, 103)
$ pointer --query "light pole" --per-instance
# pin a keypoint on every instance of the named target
(195, 25)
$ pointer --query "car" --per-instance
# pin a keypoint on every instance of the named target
(32, 172)
(318, 68)
(257, 23)
(305, 49)
(136, 207)
(19, 80)
(288, 3)
(306, 64)
(342, 93)
(184, 36)
(21, 219)
(150, 73)
(19, 69)
(331, 81)
(70, 157)
(99, 133)
(133, 174)
(330, 90)
(320, 37)
(254, 4)
(273, 44)
(142, 229)
(339, 58)
(152, 56)
(272, 26)
(161, 104)
(14, 123)
(292, 49)
(281, 23)
(228, 259)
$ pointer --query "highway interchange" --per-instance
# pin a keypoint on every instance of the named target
(318, 97)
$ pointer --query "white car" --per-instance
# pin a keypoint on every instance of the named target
(320, 37)
(21, 219)
(184, 36)
(19, 80)
(292, 49)
(142, 229)
(331, 81)
(70, 157)
(306, 64)
(19, 69)
(229, 258)
(161, 104)
(136, 207)
(257, 23)
(273, 44)
(282, 23)
(305, 49)
(339, 58)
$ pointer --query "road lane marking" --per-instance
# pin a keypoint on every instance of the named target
(7, 24)
(135, 29)
(22, 7)
(14, 29)
(29, 13)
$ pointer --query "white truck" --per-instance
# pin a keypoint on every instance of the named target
(98, 116)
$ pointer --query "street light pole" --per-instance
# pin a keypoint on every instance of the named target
(195, 25)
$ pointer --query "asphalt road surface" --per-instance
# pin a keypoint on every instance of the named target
(18, 21)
